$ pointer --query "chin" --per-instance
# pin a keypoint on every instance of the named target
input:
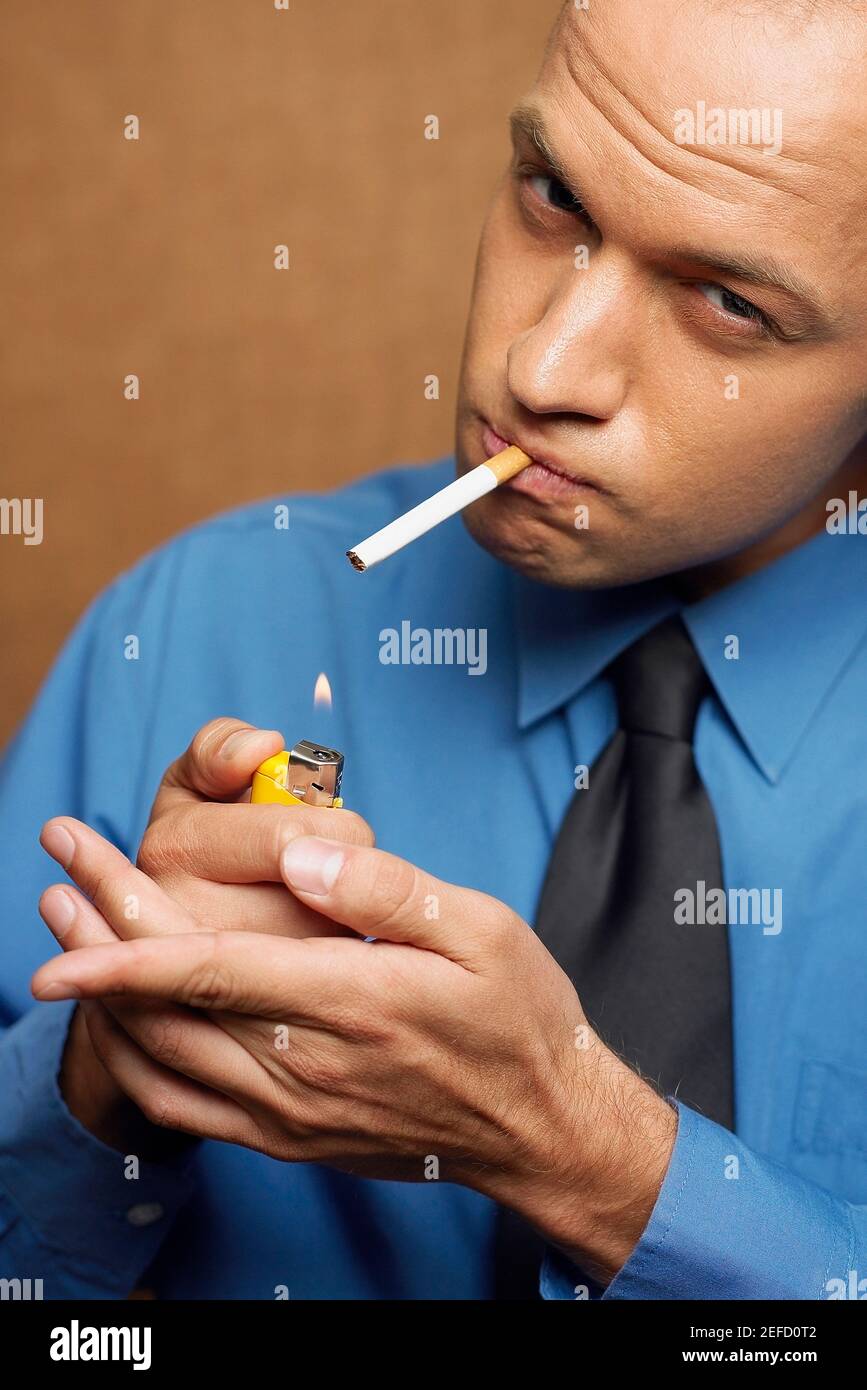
(549, 551)
(540, 552)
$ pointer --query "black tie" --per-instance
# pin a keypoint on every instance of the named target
(658, 991)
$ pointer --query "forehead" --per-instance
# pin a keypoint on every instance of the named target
(618, 76)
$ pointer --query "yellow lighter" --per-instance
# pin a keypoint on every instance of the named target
(308, 775)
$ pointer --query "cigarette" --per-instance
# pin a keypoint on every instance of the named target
(440, 507)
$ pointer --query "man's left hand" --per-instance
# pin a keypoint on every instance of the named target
(451, 1046)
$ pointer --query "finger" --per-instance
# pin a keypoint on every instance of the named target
(164, 1097)
(173, 1036)
(192, 1044)
(73, 920)
(219, 763)
(241, 972)
(126, 898)
(134, 905)
(378, 894)
(242, 843)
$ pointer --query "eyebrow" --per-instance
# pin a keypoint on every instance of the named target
(756, 270)
(527, 122)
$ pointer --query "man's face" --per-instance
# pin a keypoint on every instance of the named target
(700, 374)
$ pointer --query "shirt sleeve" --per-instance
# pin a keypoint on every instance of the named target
(730, 1224)
(84, 1219)
(71, 1213)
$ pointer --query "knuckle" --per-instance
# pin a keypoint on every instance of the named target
(194, 767)
(160, 1106)
(290, 825)
(317, 1071)
(395, 889)
(157, 852)
(355, 829)
(358, 1021)
(210, 735)
(494, 918)
(212, 981)
(171, 846)
(347, 826)
(310, 1114)
(162, 1038)
(391, 978)
(298, 1124)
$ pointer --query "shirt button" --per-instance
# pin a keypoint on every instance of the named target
(145, 1213)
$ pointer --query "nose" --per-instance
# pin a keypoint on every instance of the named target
(575, 359)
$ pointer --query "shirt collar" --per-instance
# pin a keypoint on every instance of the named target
(797, 622)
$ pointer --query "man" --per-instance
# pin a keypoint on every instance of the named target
(662, 1093)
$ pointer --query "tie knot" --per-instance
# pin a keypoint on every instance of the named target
(660, 683)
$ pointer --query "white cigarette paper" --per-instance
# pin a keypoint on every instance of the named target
(440, 507)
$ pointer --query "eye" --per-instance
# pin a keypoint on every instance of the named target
(556, 194)
(730, 303)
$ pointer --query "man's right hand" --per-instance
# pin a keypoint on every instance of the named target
(216, 856)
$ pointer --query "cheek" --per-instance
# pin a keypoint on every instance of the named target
(732, 443)
(511, 283)
(733, 487)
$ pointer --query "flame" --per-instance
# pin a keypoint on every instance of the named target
(322, 692)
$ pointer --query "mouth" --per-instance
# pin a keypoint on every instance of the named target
(544, 477)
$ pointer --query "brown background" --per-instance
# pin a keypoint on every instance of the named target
(155, 257)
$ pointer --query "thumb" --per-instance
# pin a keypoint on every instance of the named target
(219, 763)
(381, 895)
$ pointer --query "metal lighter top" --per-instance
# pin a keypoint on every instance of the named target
(308, 773)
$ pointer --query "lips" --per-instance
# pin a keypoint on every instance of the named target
(544, 469)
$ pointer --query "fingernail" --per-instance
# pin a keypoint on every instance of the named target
(57, 990)
(58, 912)
(237, 742)
(58, 842)
(312, 864)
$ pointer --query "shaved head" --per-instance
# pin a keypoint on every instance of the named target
(670, 305)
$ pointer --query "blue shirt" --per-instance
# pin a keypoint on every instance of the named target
(467, 775)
